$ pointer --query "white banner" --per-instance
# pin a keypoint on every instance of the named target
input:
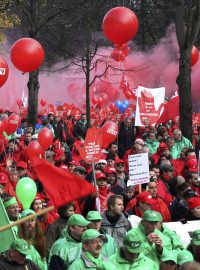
(150, 104)
(138, 169)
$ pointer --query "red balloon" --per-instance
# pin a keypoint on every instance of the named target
(27, 54)
(45, 138)
(105, 99)
(43, 102)
(4, 71)
(118, 55)
(109, 132)
(194, 56)
(34, 149)
(13, 123)
(120, 25)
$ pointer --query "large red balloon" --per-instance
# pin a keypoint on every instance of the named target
(120, 25)
(27, 54)
(194, 56)
(109, 132)
(13, 123)
(4, 71)
(45, 138)
(34, 149)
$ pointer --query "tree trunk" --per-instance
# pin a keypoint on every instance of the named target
(185, 104)
(33, 89)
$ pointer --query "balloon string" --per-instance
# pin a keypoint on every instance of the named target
(23, 88)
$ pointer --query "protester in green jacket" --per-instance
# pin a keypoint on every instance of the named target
(131, 256)
(109, 248)
(153, 241)
(174, 238)
(152, 142)
(180, 143)
(68, 248)
(91, 257)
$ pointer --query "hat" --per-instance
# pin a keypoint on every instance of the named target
(78, 220)
(80, 169)
(139, 141)
(91, 234)
(100, 175)
(3, 178)
(93, 215)
(73, 162)
(151, 215)
(119, 161)
(145, 197)
(110, 170)
(58, 153)
(132, 242)
(27, 212)
(193, 202)
(22, 164)
(169, 256)
(184, 256)
(101, 161)
(21, 246)
(196, 238)
(189, 193)
(10, 202)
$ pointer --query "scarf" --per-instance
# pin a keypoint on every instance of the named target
(97, 261)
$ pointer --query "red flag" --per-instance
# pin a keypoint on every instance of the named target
(171, 110)
(61, 186)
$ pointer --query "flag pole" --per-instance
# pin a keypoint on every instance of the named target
(98, 204)
(22, 220)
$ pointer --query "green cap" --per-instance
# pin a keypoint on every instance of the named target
(10, 202)
(132, 242)
(169, 255)
(78, 220)
(93, 215)
(27, 212)
(91, 234)
(21, 246)
(196, 238)
(184, 256)
(151, 215)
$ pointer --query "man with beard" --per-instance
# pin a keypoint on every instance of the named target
(15, 257)
(32, 233)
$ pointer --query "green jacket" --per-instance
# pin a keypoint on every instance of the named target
(36, 258)
(110, 247)
(83, 263)
(148, 249)
(152, 145)
(179, 145)
(67, 249)
(141, 263)
(174, 238)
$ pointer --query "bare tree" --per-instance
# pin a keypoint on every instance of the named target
(187, 22)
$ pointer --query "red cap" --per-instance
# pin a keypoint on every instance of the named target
(38, 197)
(192, 165)
(100, 175)
(193, 202)
(175, 127)
(119, 161)
(3, 178)
(110, 170)
(64, 167)
(74, 162)
(57, 143)
(163, 146)
(22, 164)
(145, 197)
(58, 153)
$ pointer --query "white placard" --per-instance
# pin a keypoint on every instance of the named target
(138, 169)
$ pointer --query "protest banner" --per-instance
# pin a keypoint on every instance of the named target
(138, 169)
(150, 104)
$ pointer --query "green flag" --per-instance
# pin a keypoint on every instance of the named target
(8, 236)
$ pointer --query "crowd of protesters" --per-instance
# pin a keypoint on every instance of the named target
(76, 235)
